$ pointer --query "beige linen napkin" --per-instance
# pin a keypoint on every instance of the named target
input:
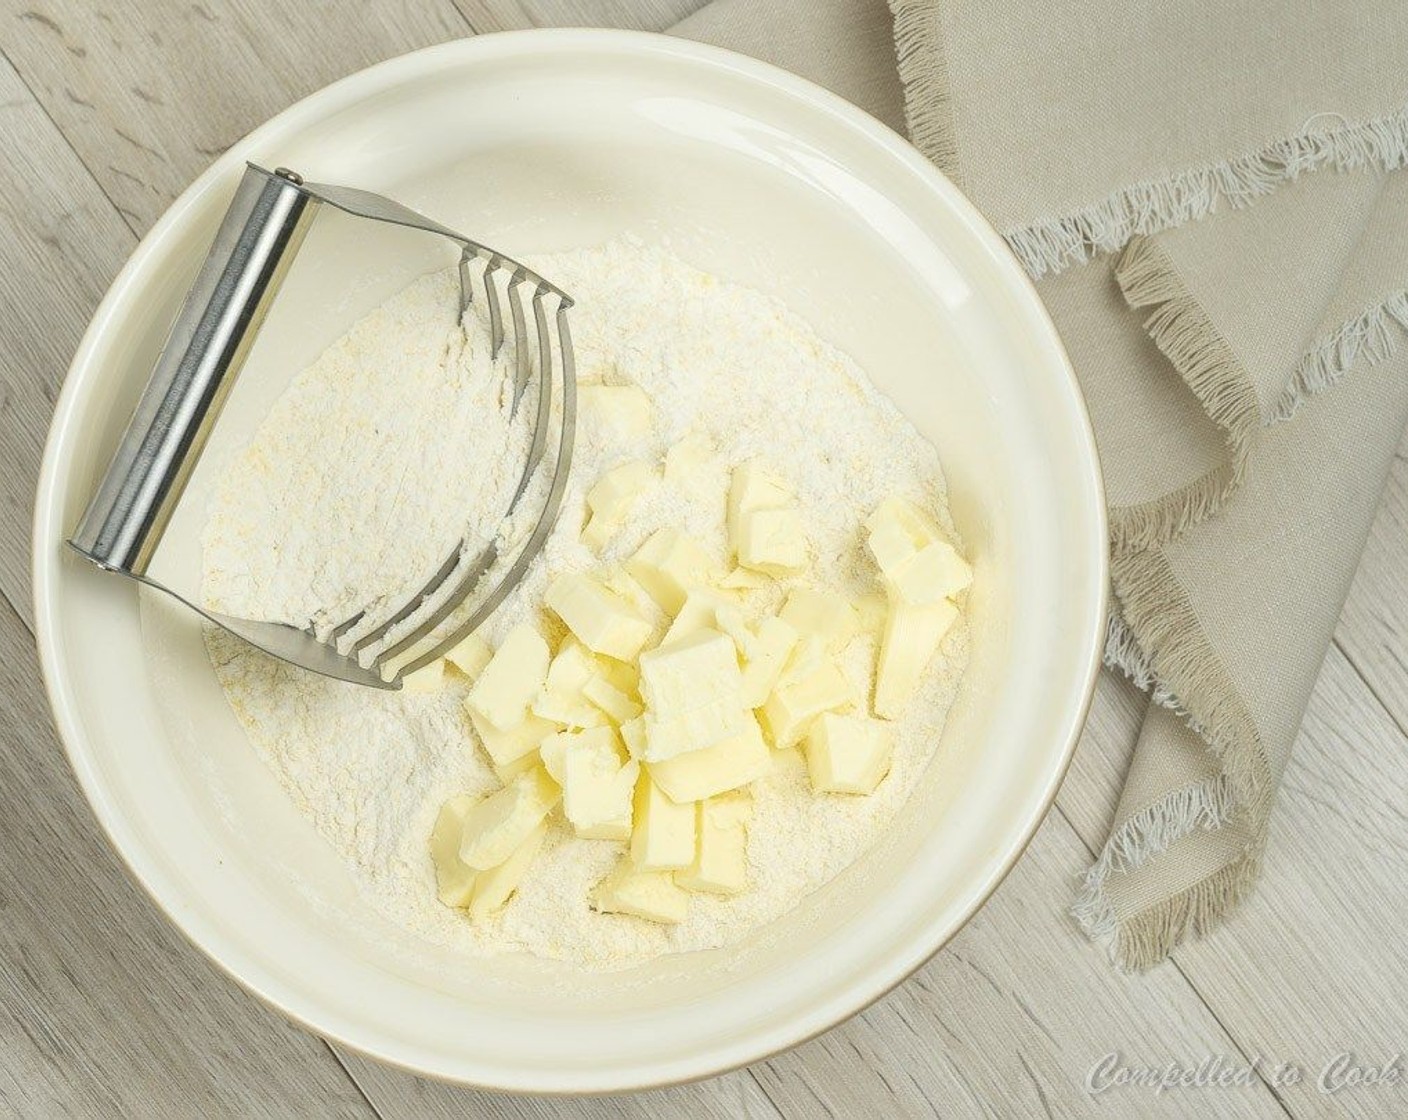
(1209, 335)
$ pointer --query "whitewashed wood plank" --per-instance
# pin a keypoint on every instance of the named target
(106, 1010)
(148, 93)
(1373, 629)
(61, 243)
(638, 15)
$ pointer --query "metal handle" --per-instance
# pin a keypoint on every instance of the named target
(208, 344)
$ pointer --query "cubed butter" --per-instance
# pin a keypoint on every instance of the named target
(906, 518)
(848, 754)
(803, 695)
(662, 831)
(470, 656)
(563, 698)
(720, 864)
(454, 878)
(741, 579)
(611, 498)
(668, 565)
(597, 789)
(493, 888)
(753, 487)
(699, 612)
(693, 693)
(521, 765)
(511, 680)
(426, 679)
(912, 635)
(618, 705)
(553, 749)
(824, 614)
(603, 620)
(935, 572)
(772, 541)
(686, 458)
(506, 747)
(706, 773)
(622, 410)
(764, 658)
(494, 827)
(633, 735)
(651, 895)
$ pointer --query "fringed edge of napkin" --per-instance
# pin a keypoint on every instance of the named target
(1185, 334)
(1370, 337)
(923, 67)
(1148, 207)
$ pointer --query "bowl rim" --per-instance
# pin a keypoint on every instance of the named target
(244, 968)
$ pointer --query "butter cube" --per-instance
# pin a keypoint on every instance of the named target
(706, 773)
(622, 410)
(935, 572)
(897, 515)
(634, 736)
(553, 749)
(426, 679)
(453, 877)
(687, 457)
(611, 498)
(602, 619)
(912, 634)
(699, 612)
(764, 657)
(753, 487)
(848, 754)
(803, 695)
(741, 579)
(608, 698)
(563, 697)
(597, 787)
(662, 832)
(871, 611)
(826, 615)
(494, 827)
(651, 895)
(693, 693)
(510, 682)
(506, 747)
(470, 656)
(507, 771)
(493, 888)
(720, 864)
(668, 565)
(772, 541)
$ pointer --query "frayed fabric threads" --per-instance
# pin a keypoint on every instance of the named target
(1144, 208)
(1370, 337)
(928, 110)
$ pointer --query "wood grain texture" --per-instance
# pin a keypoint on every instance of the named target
(107, 1010)
(148, 93)
(637, 15)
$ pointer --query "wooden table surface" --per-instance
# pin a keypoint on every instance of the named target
(109, 109)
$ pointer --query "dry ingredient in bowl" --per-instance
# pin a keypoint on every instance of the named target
(693, 392)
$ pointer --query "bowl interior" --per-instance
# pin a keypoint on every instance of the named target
(535, 143)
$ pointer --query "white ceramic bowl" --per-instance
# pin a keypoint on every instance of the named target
(546, 140)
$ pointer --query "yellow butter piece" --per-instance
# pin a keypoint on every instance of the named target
(772, 541)
(494, 827)
(603, 620)
(453, 877)
(493, 888)
(699, 612)
(651, 895)
(508, 684)
(633, 735)
(426, 679)
(693, 694)
(871, 611)
(622, 410)
(507, 771)
(765, 649)
(598, 783)
(611, 498)
(720, 864)
(904, 516)
(822, 613)
(848, 754)
(662, 831)
(686, 457)
(668, 565)
(470, 655)
(706, 773)
(553, 749)
(506, 747)
(918, 565)
(809, 687)
(618, 705)
(563, 698)
(935, 572)
(753, 487)
(912, 635)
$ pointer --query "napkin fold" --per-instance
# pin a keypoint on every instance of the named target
(1210, 200)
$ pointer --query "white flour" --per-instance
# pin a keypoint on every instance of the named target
(371, 769)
